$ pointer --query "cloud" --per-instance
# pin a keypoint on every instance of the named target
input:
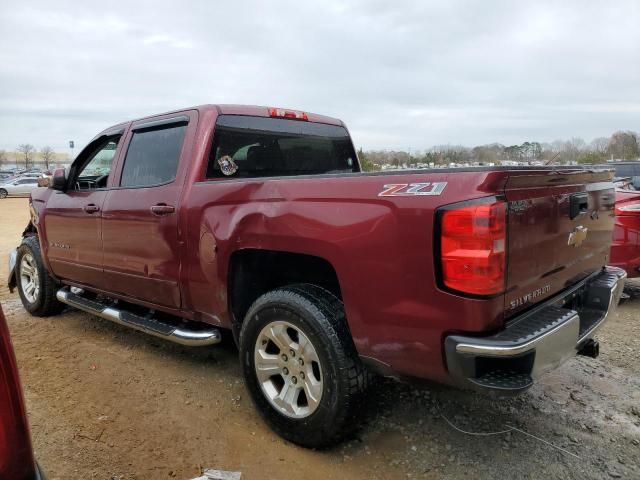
(167, 40)
(400, 74)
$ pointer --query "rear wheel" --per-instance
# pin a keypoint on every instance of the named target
(36, 287)
(301, 366)
(3, 193)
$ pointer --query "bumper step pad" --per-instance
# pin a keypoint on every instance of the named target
(504, 380)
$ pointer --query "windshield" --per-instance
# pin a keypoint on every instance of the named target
(247, 146)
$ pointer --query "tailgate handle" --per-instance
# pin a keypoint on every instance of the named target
(579, 204)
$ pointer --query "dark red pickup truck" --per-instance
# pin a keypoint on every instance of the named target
(259, 221)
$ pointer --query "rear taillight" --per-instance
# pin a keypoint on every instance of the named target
(290, 114)
(472, 248)
(16, 457)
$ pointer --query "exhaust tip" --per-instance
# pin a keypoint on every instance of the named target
(591, 348)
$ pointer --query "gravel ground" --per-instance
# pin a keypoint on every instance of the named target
(106, 402)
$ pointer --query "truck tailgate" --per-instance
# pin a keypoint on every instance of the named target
(560, 225)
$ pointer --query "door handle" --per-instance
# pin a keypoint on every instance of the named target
(162, 209)
(91, 208)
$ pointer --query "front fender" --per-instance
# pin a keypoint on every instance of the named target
(12, 279)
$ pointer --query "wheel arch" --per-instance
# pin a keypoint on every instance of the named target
(29, 231)
(253, 272)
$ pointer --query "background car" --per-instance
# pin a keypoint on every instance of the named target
(18, 187)
(16, 453)
(625, 249)
(9, 173)
(628, 172)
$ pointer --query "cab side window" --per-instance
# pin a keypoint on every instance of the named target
(95, 173)
(152, 156)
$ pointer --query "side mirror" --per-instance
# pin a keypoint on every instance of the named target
(59, 179)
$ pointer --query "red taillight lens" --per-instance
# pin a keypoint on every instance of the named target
(16, 457)
(472, 248)
(291, 114)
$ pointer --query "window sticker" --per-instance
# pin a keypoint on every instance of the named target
(227, 165)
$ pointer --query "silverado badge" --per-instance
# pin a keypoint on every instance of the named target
(578, 236)
(529, 297)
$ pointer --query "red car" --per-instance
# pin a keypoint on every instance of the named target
(625, 249)
(16, 455)
(259, 221)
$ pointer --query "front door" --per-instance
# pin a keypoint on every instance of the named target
(73, 225)
(140, 215)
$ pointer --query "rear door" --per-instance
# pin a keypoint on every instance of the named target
(560, 226)
(140, 216)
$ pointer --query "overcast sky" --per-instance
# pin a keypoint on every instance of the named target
(400, 74)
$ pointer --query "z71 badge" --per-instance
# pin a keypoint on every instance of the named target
(410, 189)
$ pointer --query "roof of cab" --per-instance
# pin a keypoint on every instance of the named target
(223, 109)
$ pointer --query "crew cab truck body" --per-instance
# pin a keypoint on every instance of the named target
(260, 221)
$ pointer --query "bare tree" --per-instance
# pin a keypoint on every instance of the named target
(27, 150)
(574, 147)
(599, 145)
(47, 155)
(623, 145)
(3, 156)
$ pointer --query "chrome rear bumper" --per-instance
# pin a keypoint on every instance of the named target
(539, 340)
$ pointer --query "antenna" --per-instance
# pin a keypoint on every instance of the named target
(553, 159)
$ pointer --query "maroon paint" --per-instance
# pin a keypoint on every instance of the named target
(16, 453)
(382, 248)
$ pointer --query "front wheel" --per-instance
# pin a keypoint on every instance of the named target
(301, 366)
(3, 193)
(36, 287)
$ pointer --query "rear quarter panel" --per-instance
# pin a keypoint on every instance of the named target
(380, 247)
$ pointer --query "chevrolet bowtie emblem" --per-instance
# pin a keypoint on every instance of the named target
(578, 236)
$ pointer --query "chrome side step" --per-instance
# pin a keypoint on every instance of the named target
(183, 336)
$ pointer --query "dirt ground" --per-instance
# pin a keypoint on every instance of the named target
(106, 402)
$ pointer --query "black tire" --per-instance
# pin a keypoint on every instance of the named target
(45, 303)
(319, 315)
(3, 193)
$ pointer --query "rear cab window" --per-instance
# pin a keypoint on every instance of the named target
(250, 147)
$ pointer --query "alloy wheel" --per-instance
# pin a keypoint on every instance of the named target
(288, 369)
(29, 278)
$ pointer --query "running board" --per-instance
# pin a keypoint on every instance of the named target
(157, 328)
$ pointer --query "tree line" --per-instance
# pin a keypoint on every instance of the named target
(27, 154)
(622, 145)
